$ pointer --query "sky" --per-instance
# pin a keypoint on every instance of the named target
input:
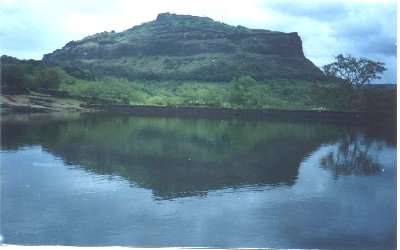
(31, 28)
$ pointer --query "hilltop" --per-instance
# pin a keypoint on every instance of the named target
(185, 47)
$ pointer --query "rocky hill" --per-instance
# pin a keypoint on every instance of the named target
(184, 47)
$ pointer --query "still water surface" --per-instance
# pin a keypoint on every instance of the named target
(91, 180)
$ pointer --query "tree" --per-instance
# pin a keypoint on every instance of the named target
(350, 72)
(240, 91)
(354, 71)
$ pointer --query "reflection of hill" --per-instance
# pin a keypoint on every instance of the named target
(177, 157)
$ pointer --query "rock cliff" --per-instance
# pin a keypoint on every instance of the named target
(184, 47)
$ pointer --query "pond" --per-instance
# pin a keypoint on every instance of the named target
(98, 180)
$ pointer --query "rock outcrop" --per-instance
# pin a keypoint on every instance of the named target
(184, 47)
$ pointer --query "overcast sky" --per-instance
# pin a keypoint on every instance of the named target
(31, 28)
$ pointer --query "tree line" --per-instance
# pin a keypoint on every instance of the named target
(30, 74)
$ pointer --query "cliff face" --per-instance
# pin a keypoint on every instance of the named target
(184, 47)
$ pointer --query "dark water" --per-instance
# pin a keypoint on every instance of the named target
(152, 182)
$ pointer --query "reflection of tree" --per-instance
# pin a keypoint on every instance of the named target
(352, 156)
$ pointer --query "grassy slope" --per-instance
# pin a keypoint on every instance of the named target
(272, 94)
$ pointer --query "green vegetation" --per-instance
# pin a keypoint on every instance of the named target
(241, 92)
(205, 67)
(31, 74)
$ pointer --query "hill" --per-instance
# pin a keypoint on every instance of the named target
(181, 61)
(184, 47)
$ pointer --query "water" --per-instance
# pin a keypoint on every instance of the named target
(90, 180)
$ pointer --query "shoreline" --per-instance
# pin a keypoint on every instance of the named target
(39, 103)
